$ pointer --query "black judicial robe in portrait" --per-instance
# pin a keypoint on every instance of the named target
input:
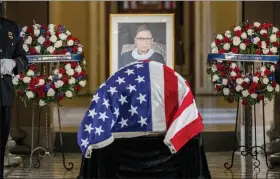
(277, 72)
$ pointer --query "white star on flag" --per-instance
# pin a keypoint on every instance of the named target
(139, 65)
(141, 98)
(113, 122)
(103, 116)
(143, 121)
(88, 128)
(98, 130)
(84, 142)
(106, 103)
(133, 110)
(123, 122)
(112, 90)
(92, 113)
(131, 88)
(123, 99)
(117, 112)
(128, 71)
(120, 80)
(95, 98)
(140, 79)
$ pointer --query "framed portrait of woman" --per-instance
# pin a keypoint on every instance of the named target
(136, 37)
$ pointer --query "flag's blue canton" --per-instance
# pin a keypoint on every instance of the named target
(122, 104)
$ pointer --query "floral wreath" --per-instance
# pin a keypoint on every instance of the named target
(228, 78)
(66, 78)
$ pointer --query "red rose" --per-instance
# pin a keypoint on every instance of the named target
(275, 44)
(82, 73)
(267, 72)
(222, 51)
(260, 97)
(278, 34)
(230, 99)
(244, 102)
(21, 75)
(252, 89)
(244, 84)
(220, 67)
(259, 44)
(57, 33)
(234, 50)
(75, 49)
(76, 74)
(64, 51)
(32, 67)
(269, 53)
(258, 51)
(237, 69)
(59, 97)
(238, 33)
(55, 52)
(264, 35)
(32, 51)
(218, 88)
(74, 64)
(61, 70)
(47, 43)
(258, 74)
(77, 88)
(29, 30)
(41, 92)
(247, 42)
(226, 39)
(274, 84)
(223, 74)
(217, 42)
(65, 79)
(233, 78)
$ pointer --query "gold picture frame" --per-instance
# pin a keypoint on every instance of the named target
(122, 29)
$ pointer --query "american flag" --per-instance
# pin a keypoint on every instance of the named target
(141, 98)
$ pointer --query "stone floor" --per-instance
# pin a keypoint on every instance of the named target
(242, 168)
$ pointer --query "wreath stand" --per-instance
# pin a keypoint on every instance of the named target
(45, 59)
(249, 149)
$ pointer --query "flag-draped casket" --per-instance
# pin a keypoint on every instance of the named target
(143, 98)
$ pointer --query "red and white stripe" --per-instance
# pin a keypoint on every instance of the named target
(173, 107)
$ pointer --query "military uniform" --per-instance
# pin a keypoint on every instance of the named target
(12, 61)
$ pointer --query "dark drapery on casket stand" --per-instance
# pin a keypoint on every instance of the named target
(146, 157)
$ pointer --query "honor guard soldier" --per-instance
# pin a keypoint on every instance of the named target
(12, 62)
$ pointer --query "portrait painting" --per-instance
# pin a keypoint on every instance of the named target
(136, 37)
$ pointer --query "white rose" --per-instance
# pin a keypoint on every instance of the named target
(58, 83)
(51, 92)
(50, 77)
(215, 77)
(59, 76)
(238, 88)
(225, 81)
(36, 33)
(214, 68)
(82, 83)
(213, 44)
(67, 53)
(236, 41)
(214, 50)
(30, 73)
(228, 34)
(273, 38)
(71, 80)
(265, 51)
(277, 88)
(233, 65)
(232, 73)
(42, 102)
(226, 46)
(55, 72)
(22, 34)
(79, 69)
(80, 50)
(220, 37)
(263, 68)
(239, 81)
(51, 31)
(263, 32)
(70, 72)
(28, 41)
(68, 33)
(51, 26)
(263, 44)
(254, 95)
(243, 35)
(68, 94)
(50, 49)
(15, 81)
(38, 49)
(265, 81)
(245, 93)
(62, 36)
(41, 82)
(257, 24)
(24, 29)
(70, 42)
(25, 47)
(41, 40)
(29, 94)
(237, 28)
(269, 88)
(26, 79)
(273, 50)
(272, 68)
(274, 30)
(255, 79)
(250, 32)
(226, 91)
(246, 80)
(36, 26)
(58, 44)
(256, 40)
(67, 66)
(242, 46)
(53, 38)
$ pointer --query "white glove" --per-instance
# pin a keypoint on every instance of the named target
(7, 66)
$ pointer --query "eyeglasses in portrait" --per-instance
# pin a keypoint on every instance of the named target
(141, 37)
